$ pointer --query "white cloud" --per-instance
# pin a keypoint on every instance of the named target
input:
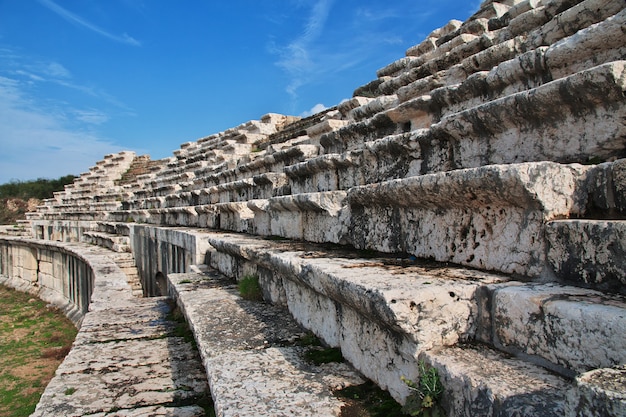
(315, 109)
(77, 20)
(295, 58)
(37, 143)
(91, 116)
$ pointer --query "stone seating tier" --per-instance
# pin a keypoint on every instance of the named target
(465, 208)
(436, 312)
(489, 51)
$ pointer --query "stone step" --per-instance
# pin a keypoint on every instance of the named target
(570, 330)
(480, 381)
(255, 187)
(270, 163)
(497, 123)
(492, 133)
(251, 353)
(501, 118)
(489, 217)
(379, 324)
(597, 44)
(492, 217)
(107, 240)
(119, 229)
(530, 30)
(127, 361)
(353, 136)
(590, 253)
(128, 358)
(397, 309)
(484, 382)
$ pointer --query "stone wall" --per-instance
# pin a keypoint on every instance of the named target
(50, 271)
(162, 251)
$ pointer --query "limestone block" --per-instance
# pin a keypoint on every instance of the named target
(346, 106)
(315, 217)
(492, 10)
(572, 328)
(376, 351)
(484, 60)
(354, 135)
(527, 21)
(490, 217)
(420, 87)
(321, 173)
(522, 7)
(262, 221)
(314, 311)
(602, 392)
(584, 110)
(234, 216)
(207, 216)
(394, 156)
(594, 45)
(589, 252)
(449, 27)
(395, 67)
(372, 107)
(316, 131)
(475, 26)
(574, 19)
(417, 112)
(480, 381)
(427, 45)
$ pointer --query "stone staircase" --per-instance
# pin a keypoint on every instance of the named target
(466, 208)
(116, 238)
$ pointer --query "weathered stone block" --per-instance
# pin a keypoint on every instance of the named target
(571, 328)
(589, 252)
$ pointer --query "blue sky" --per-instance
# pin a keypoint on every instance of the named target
(83, 78)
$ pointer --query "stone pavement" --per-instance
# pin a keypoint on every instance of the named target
(131, 357)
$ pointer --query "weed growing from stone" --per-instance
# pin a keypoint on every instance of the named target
(309, 339)
(425, 394)
(250, 289)
(70, 391)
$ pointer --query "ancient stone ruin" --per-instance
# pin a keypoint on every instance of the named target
(466, 208)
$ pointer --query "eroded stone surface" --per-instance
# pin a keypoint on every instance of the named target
(480, 381)
(251, 353)
(126, 359)
(570, 327)
(602, 392)
(589, 252)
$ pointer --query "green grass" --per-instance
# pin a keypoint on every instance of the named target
(34, 339)
(250, 289)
